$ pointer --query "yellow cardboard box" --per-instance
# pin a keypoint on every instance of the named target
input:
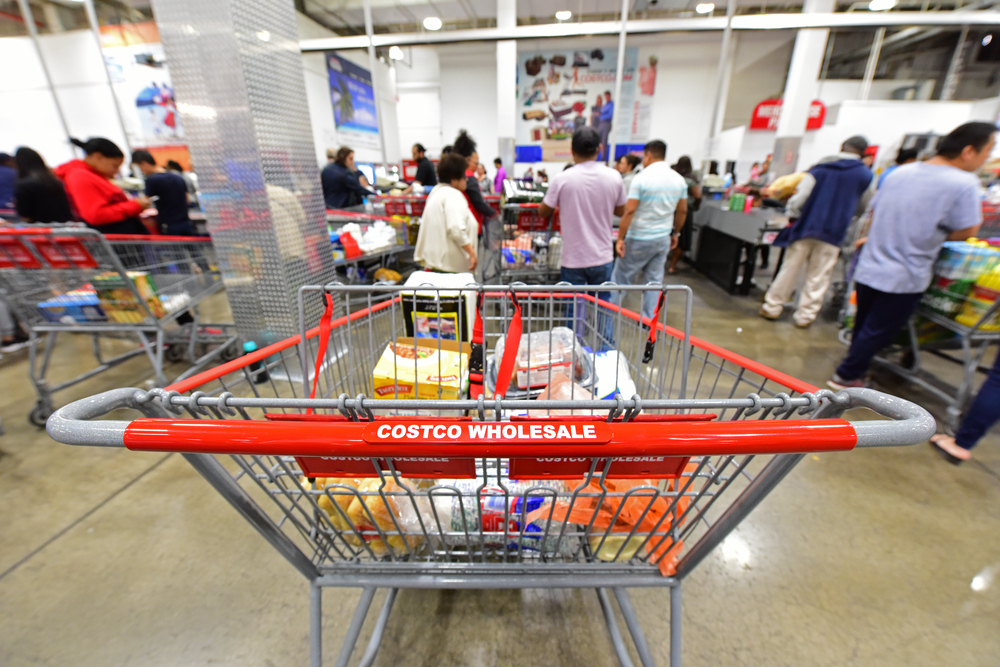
(409, 369)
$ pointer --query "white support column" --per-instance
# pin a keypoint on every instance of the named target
(506, 86)
(955, 66)
(616, 112)
(369, 31)
(95, 28)
(727, 54)
(872, 66)
(29, 22)
(800, 89)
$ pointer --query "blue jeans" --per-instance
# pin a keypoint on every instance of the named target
(880, 317)
(648, 258)
(984, 412)
(591, 275)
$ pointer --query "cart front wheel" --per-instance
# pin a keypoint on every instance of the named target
(229, 353)
(39, 415)
(174, 353)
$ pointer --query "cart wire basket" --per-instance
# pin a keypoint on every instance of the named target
(527, 475)
(72, 279)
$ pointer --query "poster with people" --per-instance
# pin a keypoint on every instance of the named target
(353, 103)
(145, 93)
(561, 91)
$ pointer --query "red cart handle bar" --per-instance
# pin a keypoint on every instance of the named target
(71, 425)
(478, 439)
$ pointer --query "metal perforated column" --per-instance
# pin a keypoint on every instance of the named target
(241, 95)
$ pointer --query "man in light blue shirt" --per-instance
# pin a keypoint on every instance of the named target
(654, 215)
(919, 207)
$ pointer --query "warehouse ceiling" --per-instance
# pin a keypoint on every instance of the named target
(346, 17)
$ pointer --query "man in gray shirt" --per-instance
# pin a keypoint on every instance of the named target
(918, 208)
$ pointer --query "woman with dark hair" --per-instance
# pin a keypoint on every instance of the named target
(466, 147)
(447, 238)
(341, 186)
(98, 202)
(39, 196)
(684, 168)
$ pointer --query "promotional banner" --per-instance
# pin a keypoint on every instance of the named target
(560, 91)
(141, 79)
(353, 103)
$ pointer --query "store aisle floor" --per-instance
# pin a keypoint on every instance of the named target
(109, 557)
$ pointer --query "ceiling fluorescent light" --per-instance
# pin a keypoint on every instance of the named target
(709, 7)
(432, 23)
(564, 15)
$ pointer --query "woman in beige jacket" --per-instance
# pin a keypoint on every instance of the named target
(447, 238)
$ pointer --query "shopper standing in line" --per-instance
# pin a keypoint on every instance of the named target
(628, 166)
(99, 202)
(425, 178)
(684, 168)
(904, 156)
(826, 200)
(500, 177)
(587, 196)
(923, 205)
(189, 181)
(447, 238)
(604, 126)
(8, 180)
(341, 186)
(485, 184)
(171, 195)
(39, 195)
(654, 214)
(466, 147)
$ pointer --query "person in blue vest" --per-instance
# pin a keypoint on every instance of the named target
(826, 200)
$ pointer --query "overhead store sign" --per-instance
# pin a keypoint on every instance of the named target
(765, 115)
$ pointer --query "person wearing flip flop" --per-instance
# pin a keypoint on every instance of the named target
(918, 208)
(982, 415)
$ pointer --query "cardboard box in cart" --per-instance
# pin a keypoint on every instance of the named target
(418, 369)
(119, 301)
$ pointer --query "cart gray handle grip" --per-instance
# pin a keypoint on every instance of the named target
(78, 423)
(910, 424)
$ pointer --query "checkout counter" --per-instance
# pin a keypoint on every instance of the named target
(724, 243)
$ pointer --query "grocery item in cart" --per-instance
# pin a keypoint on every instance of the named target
(543, 352)
(561, 388)
(620, 524)
(376, 511)
(418, 369)
(119, 301)
(613, 376)
(79, 305)
(459, 516)
(983, 295)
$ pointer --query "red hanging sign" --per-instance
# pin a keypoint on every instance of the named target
(765, 115)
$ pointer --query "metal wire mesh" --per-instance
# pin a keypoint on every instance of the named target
(596, 521)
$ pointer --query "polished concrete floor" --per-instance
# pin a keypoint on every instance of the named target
(878, 557)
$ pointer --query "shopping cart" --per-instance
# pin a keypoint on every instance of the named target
(408, 205)
(500, 491)
(71, 279)
(526, 247)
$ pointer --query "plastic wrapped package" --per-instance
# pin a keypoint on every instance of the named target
(370, 516)
(536, 349)
(561, 388)
(542, 353)
(459, 515)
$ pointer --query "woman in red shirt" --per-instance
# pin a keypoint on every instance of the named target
(97, 201)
